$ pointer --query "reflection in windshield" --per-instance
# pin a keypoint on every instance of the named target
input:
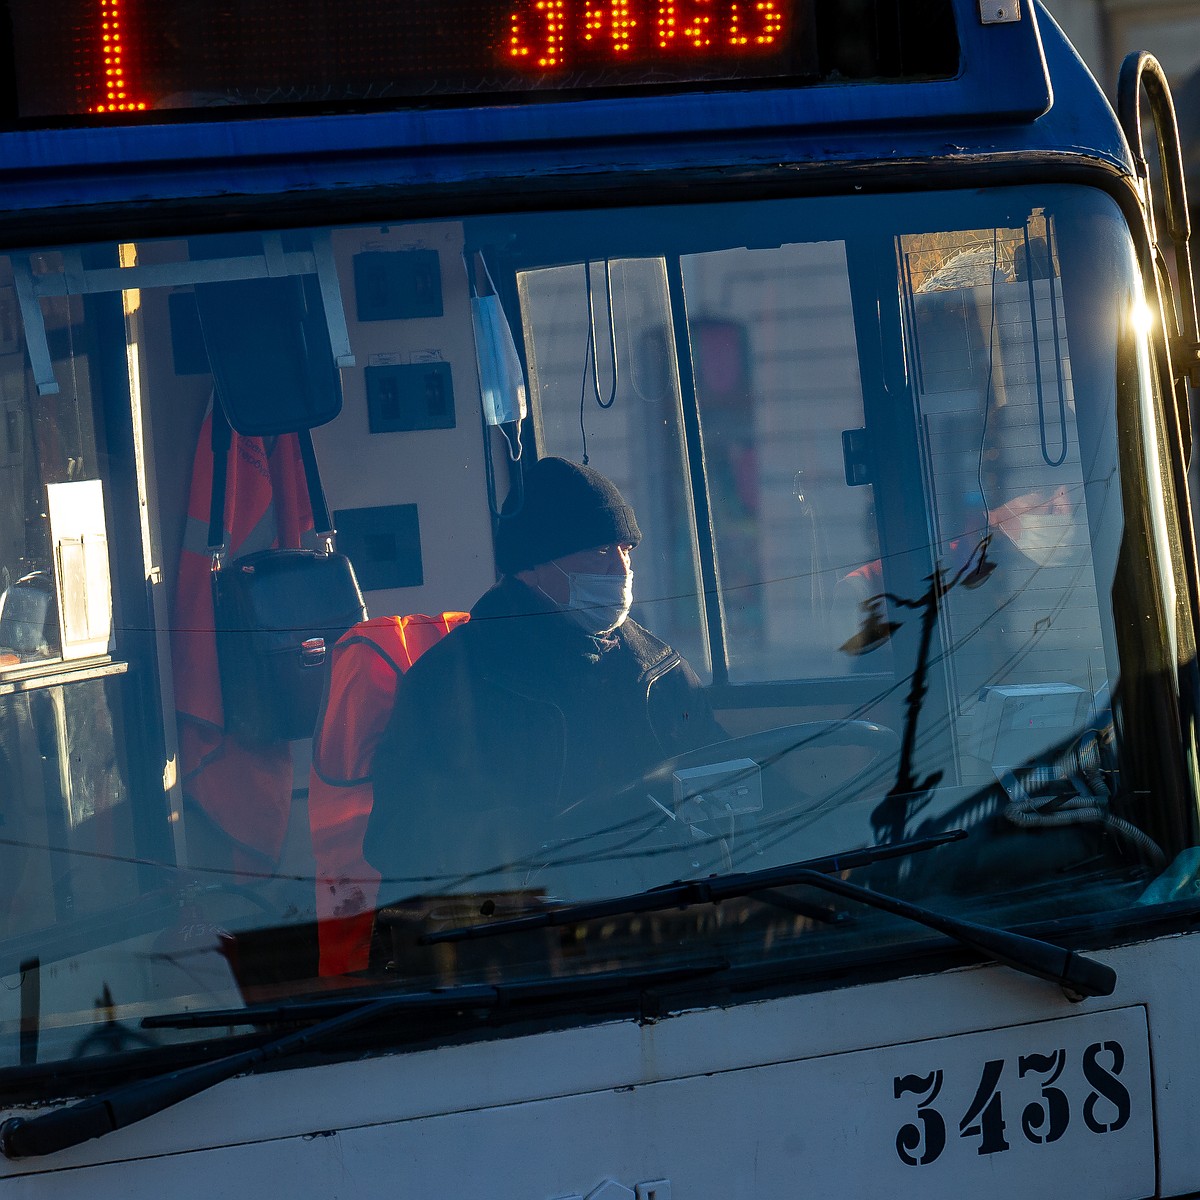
(816, 538)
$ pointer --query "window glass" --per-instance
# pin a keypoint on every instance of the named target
(622, 416)
(47, 438)
(776, 367)
(68, 834)
(1011, 497)
(904, 571)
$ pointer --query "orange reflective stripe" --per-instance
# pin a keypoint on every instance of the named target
(247, 793)
(367, 664)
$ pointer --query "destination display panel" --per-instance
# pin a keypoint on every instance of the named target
(118, 59)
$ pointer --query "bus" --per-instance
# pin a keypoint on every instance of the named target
(869, 330)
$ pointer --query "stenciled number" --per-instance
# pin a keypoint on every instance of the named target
(1045, 1122)
(985, 1117)
(1106, 1108)
(1107, 1087)
(930, 1138)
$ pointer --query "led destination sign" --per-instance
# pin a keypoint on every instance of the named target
(114, 58)
(551, 35)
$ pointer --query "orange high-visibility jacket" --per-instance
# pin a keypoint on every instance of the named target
(245, 791)
(367, 663)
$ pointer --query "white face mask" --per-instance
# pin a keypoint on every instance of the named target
(600, 603)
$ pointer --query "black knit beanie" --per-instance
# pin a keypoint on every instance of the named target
(564, 507)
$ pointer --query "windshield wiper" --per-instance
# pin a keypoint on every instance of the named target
(1076, 974)
(31, 1137)
(490, 996)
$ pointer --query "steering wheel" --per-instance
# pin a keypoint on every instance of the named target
(781, 756)
(777, 784)
(703, 808)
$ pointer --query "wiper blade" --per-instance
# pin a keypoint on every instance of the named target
(1076, 974)
(31, 1137)
(467, 995)
(686, 892)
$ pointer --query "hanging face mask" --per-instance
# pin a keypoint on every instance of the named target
(600, 603)
(501, 381)
(1046, 538)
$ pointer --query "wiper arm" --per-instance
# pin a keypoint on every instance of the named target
(1076, 974)
(30, 1137)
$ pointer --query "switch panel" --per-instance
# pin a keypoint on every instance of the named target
(394, 285)
(410, 396)
(383, 543)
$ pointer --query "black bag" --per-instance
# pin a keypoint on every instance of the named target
(277, 615)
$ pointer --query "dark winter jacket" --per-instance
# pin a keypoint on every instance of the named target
(507, 722)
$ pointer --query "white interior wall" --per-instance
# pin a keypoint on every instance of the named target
(439, 470)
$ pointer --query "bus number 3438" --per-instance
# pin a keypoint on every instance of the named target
(1106, 1107)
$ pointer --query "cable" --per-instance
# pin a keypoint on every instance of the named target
(612, 333)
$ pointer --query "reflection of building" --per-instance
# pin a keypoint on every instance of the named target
(1187, 100)
(1105, 31)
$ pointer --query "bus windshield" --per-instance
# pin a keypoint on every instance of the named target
(691, 540)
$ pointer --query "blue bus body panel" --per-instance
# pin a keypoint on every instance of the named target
(1002, 103)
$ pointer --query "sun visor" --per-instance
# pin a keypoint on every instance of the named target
(269, 345)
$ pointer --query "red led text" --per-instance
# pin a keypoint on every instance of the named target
(118, 94)
(550, 35)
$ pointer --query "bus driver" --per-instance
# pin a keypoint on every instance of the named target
(549, 694)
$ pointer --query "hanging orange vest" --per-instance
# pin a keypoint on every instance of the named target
(367, 663)
(245, 791)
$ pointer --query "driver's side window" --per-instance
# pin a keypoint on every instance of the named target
(775, 362)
